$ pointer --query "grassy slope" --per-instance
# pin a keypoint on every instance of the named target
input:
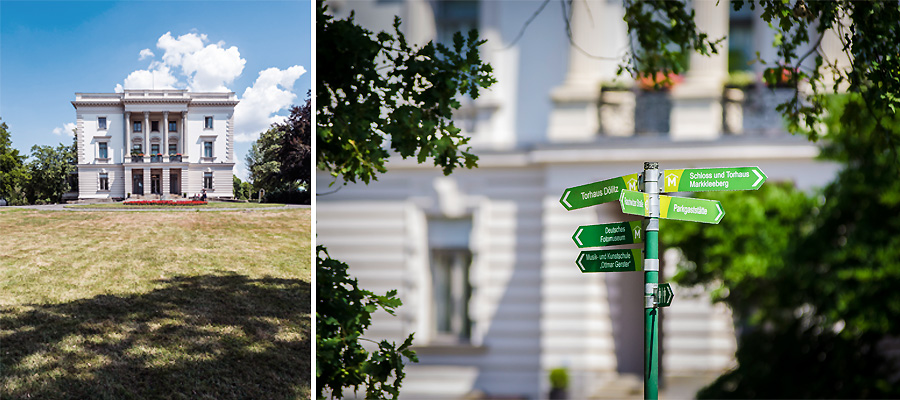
(155, 305)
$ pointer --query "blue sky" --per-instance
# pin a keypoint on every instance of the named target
(51, 49)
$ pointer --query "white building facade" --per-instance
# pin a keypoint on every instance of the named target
(154, 144)
(484, 259)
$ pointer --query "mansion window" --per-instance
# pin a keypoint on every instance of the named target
(102, 150)
(207, 122)
(451, 289)
(136, 148)
(173, 126)
(154, 126)
(136, 127)
(208, 180)
(173, 149)
(154, 148)
(104, 181)
(207, 149)
(101, 122)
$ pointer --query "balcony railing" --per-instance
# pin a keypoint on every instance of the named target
(137, 159)
(156, 158)
(175, 158)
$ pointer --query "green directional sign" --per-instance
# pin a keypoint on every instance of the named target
(595, 193)
(610, 260)
(608, 234)
(712, 179)
(664, 295)
(680, 208)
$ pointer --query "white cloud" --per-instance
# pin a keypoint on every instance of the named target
(65, 130)
(211, 68)
(175, 49)
(159, 76)
(271, 93)
(146, 53)
(240, 169)
(203, 68)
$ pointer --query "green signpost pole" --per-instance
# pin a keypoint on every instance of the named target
(651, 282)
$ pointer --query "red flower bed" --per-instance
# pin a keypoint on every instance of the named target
(164, 203)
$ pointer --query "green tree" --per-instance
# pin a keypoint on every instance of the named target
(279, 161)
(662, 32)
(238, 188)
(811, 279)
(376, 95)
(375, 89)
(49, 169)
(13, 174)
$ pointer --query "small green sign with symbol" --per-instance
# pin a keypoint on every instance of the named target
(680, 208)
(595, 193)
(610, 260)
(664, 295)
(609, 234)
(712, 179)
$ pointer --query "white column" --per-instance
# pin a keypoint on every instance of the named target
(146, 132)
(184, 149)
(697, 102)
(165, 135)
(598, 30)
(146, 181)
(127, 141)
(164, 182)
(128, 184)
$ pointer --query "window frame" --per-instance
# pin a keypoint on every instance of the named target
(208, 180)
(137, 126)
(208, 122)
(173, 126)
(103, 147)
(102, 123)
(154, 126)
(209, 145)
(103, 182)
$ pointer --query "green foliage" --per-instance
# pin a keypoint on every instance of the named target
(13, 174)
(240, 190)
(812, 280)
(663, 35)
(664, 31)
(375, 89)
(559, 378)
(48, 172)
(279, 161)
(343, 312)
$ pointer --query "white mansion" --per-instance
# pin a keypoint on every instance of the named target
(157, 144)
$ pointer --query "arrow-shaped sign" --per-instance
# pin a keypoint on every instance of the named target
(610, 260)
(680, 208)
(595, 193)
(664, 295)
(712, 179)
(609, 234)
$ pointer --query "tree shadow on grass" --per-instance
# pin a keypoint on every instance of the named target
(200, 337)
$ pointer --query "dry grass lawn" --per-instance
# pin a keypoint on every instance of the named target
(115, 305)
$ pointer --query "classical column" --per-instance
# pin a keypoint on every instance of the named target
(165, 135)
(164, 182)
(129, 185)
(697, 102)
(127, 142)
(184, 150)
(146, 131)
(599, 34)
(146, 179)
